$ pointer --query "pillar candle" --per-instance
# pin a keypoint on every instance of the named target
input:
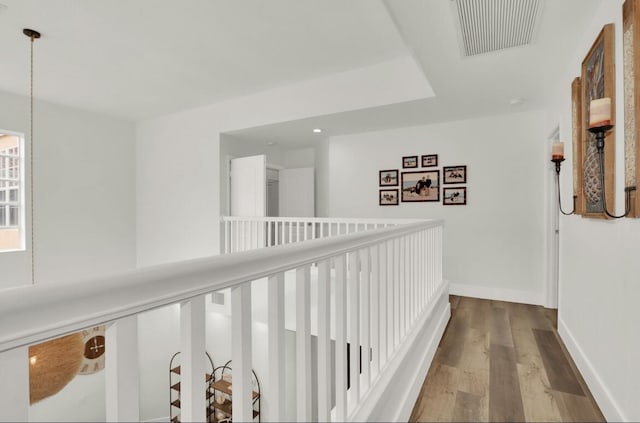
(557, 151)
(600, 112)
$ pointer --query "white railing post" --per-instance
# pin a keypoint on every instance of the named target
(303, 344)
(341, 339)
(192, 356)
(241, 353)
(375, 308)
(121, 371)
(402, 282)
(383, 319)
(14, 389)
(276, 347)
(324, 341)
(192, 360)
(354, 327)
(365, 325)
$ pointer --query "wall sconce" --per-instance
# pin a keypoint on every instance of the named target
(557, 157)
(599, 125)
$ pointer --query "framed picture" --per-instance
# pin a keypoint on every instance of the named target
(430, 160)
(410, 161)
(454, 174)
(598, 79)
(388, 178)
(631, 41)
(421, 186)
(454, 196)
(576, 135)
(388, 197)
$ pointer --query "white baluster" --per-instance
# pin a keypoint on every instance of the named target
(269, 233)
(375, 309)
(192, 360)
(324, 341)
(402, 282)
(241, 353)
(276, 347)
(354, 327)
(122, 370)
(227, 247)
(385, 301)
(341, 339)
(365, 325)
(14, 389)
(290, 224)
(303, 345)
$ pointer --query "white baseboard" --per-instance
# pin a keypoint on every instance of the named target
(608, 405)
(396, 389)
(416, 384)
(159, 419)
(499, 294)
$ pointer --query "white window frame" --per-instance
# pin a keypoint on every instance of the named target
(21, 203)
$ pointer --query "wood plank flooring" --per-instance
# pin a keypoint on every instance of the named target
(503, 362)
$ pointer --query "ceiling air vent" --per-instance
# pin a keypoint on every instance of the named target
(491, 25)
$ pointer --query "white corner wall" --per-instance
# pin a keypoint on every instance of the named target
(599, 266)
(85, 218)
(493, 245)
(84, 193)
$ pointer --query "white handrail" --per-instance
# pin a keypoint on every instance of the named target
(34, 313)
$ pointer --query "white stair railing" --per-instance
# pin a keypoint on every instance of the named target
(247, 233)
(386, 283)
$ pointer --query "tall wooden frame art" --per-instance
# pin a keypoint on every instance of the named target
(631, 42)
(598, 80)
(576, 137)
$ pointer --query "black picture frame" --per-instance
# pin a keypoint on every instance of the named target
(454, 175)
(388, 197)
(388, 178)
(409, 162)
(454, 196)
(429, 187)
(430, 160)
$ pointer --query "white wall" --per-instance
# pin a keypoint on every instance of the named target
(599, 266)
(494, 244)
(84, 193)
(84, 209)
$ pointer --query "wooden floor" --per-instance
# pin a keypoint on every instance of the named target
(503, 362)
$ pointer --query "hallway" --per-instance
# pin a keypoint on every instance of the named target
(501, 361)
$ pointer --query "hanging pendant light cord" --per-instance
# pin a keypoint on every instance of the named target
(33, 244)
(33, 35)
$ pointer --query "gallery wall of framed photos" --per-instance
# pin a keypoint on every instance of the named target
(421, 182)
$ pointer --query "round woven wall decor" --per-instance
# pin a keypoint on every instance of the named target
(53, 364)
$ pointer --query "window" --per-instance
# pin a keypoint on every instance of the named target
(11, 192)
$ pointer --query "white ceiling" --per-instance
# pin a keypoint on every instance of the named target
(143, 58)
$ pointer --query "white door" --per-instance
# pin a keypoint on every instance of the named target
(248, 187)
(248, 192)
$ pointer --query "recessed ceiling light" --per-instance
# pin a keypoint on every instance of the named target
(317, 130)
(271, 143)
(517, 101)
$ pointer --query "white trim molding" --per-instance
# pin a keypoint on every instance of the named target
(608, 405)
(499, 294)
